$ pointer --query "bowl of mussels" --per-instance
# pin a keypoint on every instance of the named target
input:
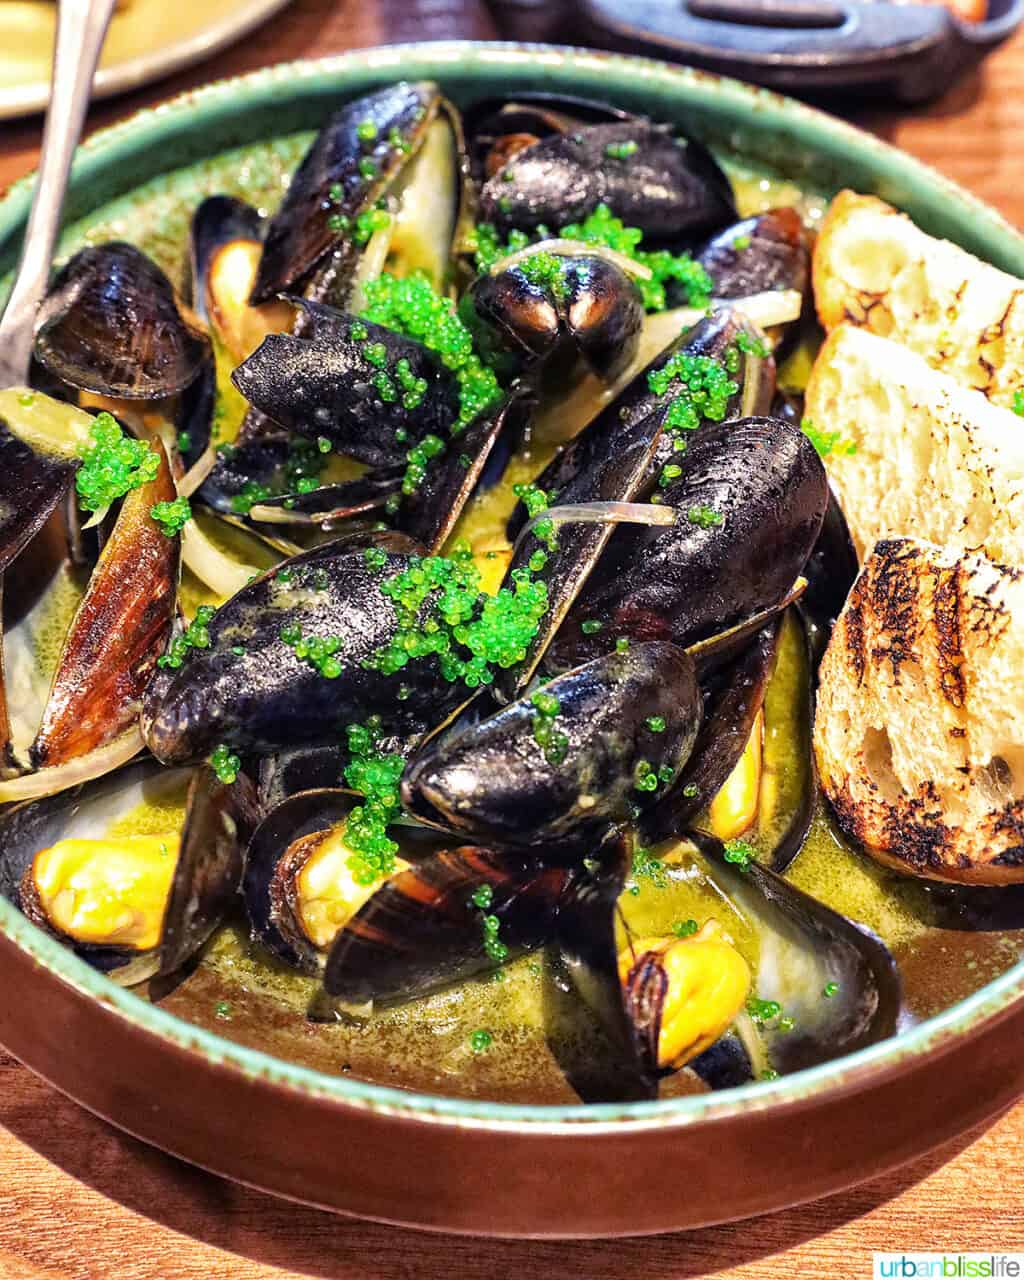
(512, 641)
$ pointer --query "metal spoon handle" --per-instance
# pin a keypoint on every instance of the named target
(81, 28)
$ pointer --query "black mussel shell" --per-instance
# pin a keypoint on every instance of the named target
(249, 689)
(732, 696)
(258, 460)
(831, 572)
(750, 502)
(807, 947)
(591, 311)
(341, 175)
(218, 221)
(430, 512)
(588, 954)
(713, 337)
(206, 877)
(603, 474)
(497, 782)
(299, 769)
(32, 483)
(768, 251)
(332, 504)
(670, 187)
(276, 852)
(339, 382)
(220, 819)
(111, 324)
(497, 128)
(422, 929)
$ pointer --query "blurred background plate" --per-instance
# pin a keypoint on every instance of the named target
(147, 39)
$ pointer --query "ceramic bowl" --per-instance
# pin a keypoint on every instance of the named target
(468, 1165)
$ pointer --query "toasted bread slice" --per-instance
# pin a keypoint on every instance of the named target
(918, 733)
(932, 459)
(874, 268)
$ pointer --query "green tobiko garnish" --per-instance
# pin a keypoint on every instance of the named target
(441, 610)
(318, 651)
(112, 464)
(196, 636)
(602, 228)
(375, 775)
(545, 271)
(553, 742)
(225, 764)
(172, 516)
(741, 853)
(412, 306)
(701, 390)
(827, 442)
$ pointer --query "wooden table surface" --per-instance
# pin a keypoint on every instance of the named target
(78, 1199)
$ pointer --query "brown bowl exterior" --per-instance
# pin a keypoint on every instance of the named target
(517, 1179)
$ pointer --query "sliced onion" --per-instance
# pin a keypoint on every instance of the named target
(223, 575)
(94, 764)
(370, 265)
(197, 472)
(600, 513)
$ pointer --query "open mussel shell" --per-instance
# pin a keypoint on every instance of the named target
(834, 979)
(496, 128)
(586, 308)
(278, 847)
(422, 930)
(768, 251)
(341, 382)
(749, 500)
(353, 159)
(714, 337)
(831, 572)
(251, 691)
(431, 511)
(34, 474)
(732, 697)
(112, 324)
(526, 778)
(602, 474)
(587, 952)
(670, 187)
(331, 503)
(206, 876)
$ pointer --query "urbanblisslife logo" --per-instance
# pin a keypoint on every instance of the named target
(948, 1266)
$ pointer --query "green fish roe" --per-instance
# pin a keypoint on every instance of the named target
(690, 790)
(705, 517)
(684, 928)
(620, 150)
(602, 228)
(752, 346)
(591, 626)
(769, 1073)
(740, 243)
(368, 168)
(339, 222)
(701, 389)
(545, 271)
(830, 989)
(482, 897)
(481, 1041)
(369, 222)
(656, 724)
(1018, 403)
(376, 558)
(172, 516)
(222, 1010)
(740, 852)
(786, 1023)
(27, 399)
(366, 131)
(196, 636)
(762, 1011)
(494, 948)
(113, 464)
(375, 775)
(553, 741)
(533, 499)
(225, 764)
(412, 307)
(647, 865)
(318, 651)
(442, 610)
(831, 442)
(184, 441)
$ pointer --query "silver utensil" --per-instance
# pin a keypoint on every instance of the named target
(81, 28)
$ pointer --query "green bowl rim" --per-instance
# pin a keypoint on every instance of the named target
(856, 1071)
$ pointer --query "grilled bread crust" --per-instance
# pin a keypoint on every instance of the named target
(874, 268)
(932, 459)
(918, 735)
